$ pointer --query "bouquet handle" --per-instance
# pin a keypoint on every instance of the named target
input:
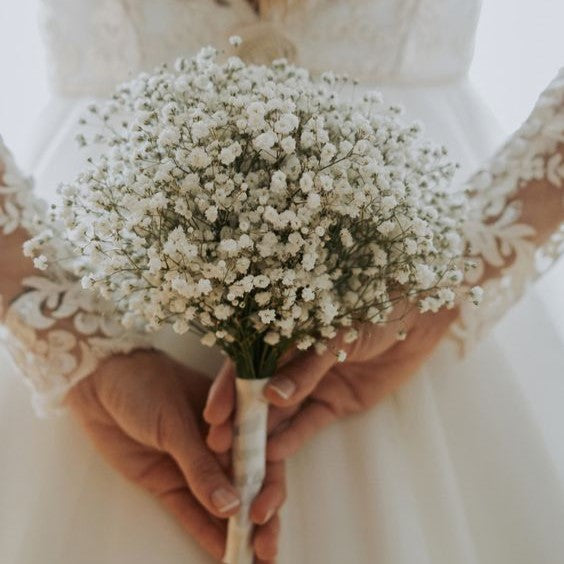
(249, 465)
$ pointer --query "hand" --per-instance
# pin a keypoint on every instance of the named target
(310, 391)
(143, 412)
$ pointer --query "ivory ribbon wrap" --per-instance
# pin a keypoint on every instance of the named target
(249, 464)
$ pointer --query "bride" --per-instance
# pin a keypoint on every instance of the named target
(443, 461)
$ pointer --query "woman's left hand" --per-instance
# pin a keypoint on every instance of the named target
(310, 391)
(143, 412)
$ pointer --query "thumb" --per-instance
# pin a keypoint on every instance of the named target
(182, 439)
(296, 379)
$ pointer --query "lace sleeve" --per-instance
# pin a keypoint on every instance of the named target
(515, 230)
(56, 332)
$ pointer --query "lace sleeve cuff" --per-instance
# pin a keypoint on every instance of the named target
(515, 231)
(56, 332)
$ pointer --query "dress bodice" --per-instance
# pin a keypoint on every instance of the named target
(94, 44)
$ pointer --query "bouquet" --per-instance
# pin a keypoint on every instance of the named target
(264, 211)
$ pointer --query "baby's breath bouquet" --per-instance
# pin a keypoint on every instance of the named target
(263, 211)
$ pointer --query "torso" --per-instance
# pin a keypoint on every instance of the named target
(97, 43)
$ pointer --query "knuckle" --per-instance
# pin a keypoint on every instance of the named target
(171, 422)
(267, 551)
(161, 430)
(203, 467)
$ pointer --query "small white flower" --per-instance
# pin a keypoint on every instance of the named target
(307, 139)
(313, 200)
(223, 312)
(425, 276)
(200, 130)
(229, 154)
(286, 124)
(288, 145)
(265, 141)
(263, 298)
(204, 286)
(272, 338)
(228, 246)
(308, 294)
(476, 295)
(208, 340)
(40, 262)
(346, 238)
(306, 182)
(211, 214)
(198, 158)
(169, 137)
(180, 326)
(305, 343)
(267, 316)
(351, 336)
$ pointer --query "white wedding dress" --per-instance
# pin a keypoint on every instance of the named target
(464, 465)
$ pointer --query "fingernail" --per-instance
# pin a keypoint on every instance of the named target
(284, 387)
(224, 500)
(268, 516)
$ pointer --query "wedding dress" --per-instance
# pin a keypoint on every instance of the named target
(459, 466)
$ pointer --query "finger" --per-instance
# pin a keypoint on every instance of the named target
(158, 474)
(195, 520)
(225, 460)
(265, 541)
(298, 378)
(221, 397)
(305, 424)
(202, 470)
(272, 495)
(278, 416)
(220, 437)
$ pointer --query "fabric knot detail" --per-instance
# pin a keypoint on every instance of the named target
(263, 43)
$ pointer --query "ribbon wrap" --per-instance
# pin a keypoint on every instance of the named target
(249, 465)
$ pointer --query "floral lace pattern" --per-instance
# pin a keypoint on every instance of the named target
(56, 332)
(17, 205)
(496, 236)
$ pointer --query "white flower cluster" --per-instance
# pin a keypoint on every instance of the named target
(254, 205)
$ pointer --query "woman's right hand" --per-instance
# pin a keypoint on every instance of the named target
(143, 412)
(311, 391)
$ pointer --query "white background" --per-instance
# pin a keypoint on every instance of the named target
(520, 46)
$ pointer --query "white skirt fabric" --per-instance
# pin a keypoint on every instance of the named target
(464, 465)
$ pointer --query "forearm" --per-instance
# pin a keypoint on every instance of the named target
(515, 222)
(13, 266)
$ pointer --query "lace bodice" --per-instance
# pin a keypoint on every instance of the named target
(94, 44)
